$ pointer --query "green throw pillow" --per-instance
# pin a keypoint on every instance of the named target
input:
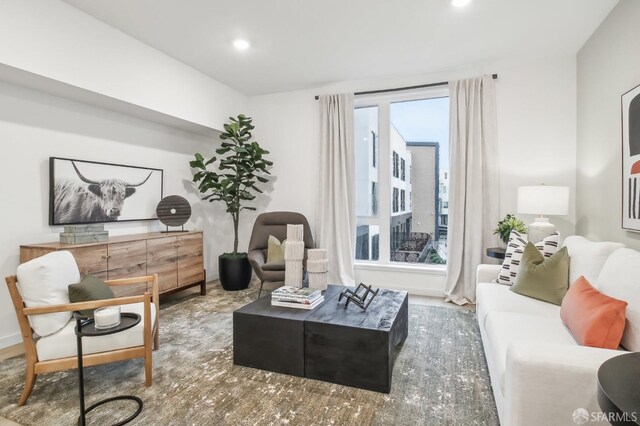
(88, 289)
(543, 279)
(275, 250)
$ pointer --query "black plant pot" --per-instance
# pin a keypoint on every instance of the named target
(235, 273)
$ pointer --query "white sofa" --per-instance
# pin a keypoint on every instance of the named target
(539, 374)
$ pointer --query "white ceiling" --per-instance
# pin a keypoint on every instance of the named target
(299, 44)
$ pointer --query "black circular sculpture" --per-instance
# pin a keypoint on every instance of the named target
(173, 210)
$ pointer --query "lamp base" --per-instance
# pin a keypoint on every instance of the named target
(540, 229)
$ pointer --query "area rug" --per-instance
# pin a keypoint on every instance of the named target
(440, 378)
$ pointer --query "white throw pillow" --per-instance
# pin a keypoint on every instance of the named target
(44, 281)
(620, 278)
(587, 257)
(515, 250)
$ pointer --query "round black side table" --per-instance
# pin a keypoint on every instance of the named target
(85, 327)
(619, 389)
(496, 252)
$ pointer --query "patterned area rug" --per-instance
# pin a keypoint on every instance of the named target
(440, 378)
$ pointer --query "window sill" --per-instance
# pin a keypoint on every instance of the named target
(425, 269)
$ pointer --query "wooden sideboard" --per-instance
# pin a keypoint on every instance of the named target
(177, 258)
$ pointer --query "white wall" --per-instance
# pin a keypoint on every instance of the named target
(608, 66)
(536, 101)
(55, 40)
(35, 126)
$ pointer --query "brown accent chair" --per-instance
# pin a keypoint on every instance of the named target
(146, 303)
(274, 223)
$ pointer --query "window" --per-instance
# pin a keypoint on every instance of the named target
(395, 164)
(395, 200)
(402, 184)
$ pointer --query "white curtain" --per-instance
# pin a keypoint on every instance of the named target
(336, 201)
(474, 189)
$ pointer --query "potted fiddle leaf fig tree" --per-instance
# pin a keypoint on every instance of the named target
(239, 169)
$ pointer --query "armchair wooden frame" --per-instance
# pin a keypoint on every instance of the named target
(35, 367)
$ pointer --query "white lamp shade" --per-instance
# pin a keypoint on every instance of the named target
(543, 200)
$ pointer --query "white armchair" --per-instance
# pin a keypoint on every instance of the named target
(40, 298)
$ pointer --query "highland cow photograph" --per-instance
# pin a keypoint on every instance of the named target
(93, 192)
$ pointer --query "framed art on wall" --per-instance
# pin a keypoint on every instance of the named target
(93, 192)
(631, 159)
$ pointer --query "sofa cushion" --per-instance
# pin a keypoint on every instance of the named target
(543, 278)
(492, 297)
(620, 278)
(63, 343)
(593, 318)
(89, 289)
(503, 328)
(44, 281)
(587, 257)
(515, 249)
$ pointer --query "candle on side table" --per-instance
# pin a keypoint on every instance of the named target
(107, 317)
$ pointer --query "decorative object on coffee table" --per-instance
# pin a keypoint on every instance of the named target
(317, 268)
(173, 210)
(88, 327)
(235, 181)
(293, 256)
(359, 299)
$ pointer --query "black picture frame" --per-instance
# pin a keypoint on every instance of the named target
(630, 124)
(81, 180)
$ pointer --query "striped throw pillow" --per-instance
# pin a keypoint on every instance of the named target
(515, 250)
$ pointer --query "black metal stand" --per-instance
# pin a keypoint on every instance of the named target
(174, 230)
(359, 299)
(85, 327)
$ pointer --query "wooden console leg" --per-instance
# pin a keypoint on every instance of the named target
(203, 284)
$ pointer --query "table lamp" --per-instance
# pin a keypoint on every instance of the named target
(543, 200)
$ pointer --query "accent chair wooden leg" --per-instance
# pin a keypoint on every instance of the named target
(260, 292)
(29, 382)
(148, 364)
(156, 339)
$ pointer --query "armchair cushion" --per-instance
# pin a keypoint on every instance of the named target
(63, 343)
(90, 288)
(45, 281)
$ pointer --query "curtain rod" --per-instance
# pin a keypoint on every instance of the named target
(397, 89)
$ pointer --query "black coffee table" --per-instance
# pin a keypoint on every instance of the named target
(330, 343)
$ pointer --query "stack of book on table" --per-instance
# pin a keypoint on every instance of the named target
(296, 297)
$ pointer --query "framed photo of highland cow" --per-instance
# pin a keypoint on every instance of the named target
(631, 159)
(83, 192)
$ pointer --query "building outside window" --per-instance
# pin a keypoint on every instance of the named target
(414, 141)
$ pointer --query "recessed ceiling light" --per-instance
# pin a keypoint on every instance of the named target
(241, 44)
(460, 3)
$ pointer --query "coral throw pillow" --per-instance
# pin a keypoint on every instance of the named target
(593, 318)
